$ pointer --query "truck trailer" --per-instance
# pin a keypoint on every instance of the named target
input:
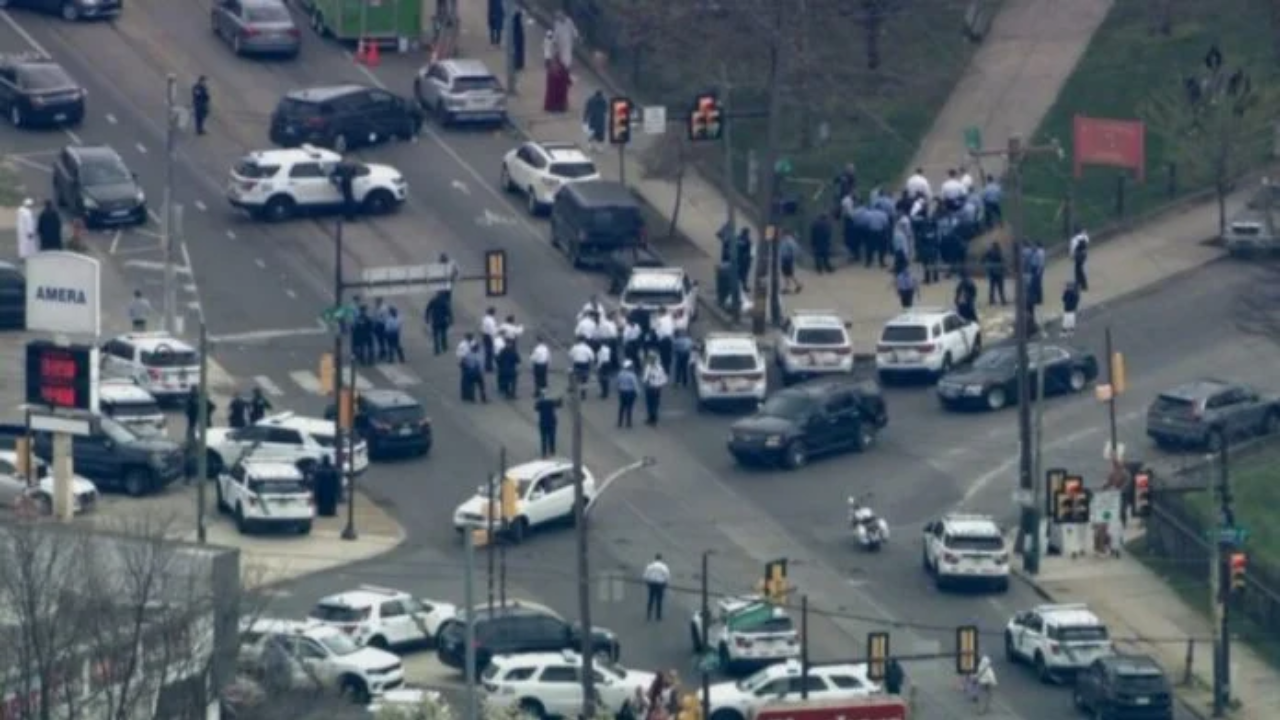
(388, 22)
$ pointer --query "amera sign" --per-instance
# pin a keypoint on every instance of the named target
(64, 293)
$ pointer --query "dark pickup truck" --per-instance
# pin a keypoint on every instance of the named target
(113, 457)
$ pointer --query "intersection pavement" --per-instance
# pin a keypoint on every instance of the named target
(695, 499)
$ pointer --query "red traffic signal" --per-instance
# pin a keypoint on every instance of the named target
(706, 118)
(1238, 566)
(620, 110)
(1142, 494)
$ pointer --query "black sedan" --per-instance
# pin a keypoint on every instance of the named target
(991, 382)
(35, 91)
(95, 184)
(807, 420)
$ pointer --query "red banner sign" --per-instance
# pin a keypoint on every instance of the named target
(1118, 143)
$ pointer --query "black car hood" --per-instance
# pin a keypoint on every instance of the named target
(764, 425)
(978, 376)
(115, 192)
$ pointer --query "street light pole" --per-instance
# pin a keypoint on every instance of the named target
(202, 446)
(584, 576)
(343, 455)
(170, 299)
(706, 638)
(765, 244)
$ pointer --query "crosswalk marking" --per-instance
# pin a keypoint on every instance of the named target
(362, 384)
(219, 377)
(308, 381)
(398, 376)
(268, 385)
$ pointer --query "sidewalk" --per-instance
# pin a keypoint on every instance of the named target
(1139, 608)
(1012, 81)
(1169, 245)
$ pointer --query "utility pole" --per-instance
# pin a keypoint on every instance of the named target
(1029, 534)
(584, 577)
(765, 244)
(731, 208)
(469, 591)
(1111, 401)
(1037, 469)
(492, 540)
(202, 446)
(1220, 582)
(804, 647)
(340, 447)
(706, 627)
(509, 47)
(170, 300)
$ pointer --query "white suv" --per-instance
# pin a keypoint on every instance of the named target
(746, 632)
(783, 683)
(813, 342)
(285, 437)
(549, 684)
(544, 490)
(125, 402)
(158, 362)
(382, 617)
(1056, 639)
(315, 655)
(14, 489)
(926, 340)
(278, 184)
(266, 494)
(662, 288)
(730, 368)
(539, 170)
(966, 548)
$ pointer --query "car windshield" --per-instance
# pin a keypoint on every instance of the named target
(785, 406)
(648, 297)
(44, 77)
(267, 14)
(731, 363)
(1083, 634)
(327, 612)
(116, 432)
(252, 170)
(277, 487)
(339, 644)
(820, 336)
(474, 84)
(904, 334)
(135, 409)
(106, 171)
(997, 360)
(573, 170)
(170, 358)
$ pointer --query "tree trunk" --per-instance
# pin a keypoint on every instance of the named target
(1222, 205)
(873, 24)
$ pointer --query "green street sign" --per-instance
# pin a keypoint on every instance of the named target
(709, 662)
(973, 139)
(340, 313)
(783, 166)
(1228, 535)
(750, 617)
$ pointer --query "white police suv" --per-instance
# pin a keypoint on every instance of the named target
(729, 368)
(662, 288)
(966, 549)
(1056, 640)
(281, 183)
(812, 343)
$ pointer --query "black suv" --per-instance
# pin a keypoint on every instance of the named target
(95, 184)
(343, 117)
(40, 92)
(593, 220)
(391, 421)
(517, 627)
(812, 419)
(114, 457)
(1124, 687)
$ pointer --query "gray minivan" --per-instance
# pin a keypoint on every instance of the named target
(592, 220)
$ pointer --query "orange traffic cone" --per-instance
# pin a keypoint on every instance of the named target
(371, 55)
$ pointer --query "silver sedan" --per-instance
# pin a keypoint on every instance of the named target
(256, 27)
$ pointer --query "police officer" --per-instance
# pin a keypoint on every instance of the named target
(547, 421)
(894, 676)
(540, 361)
(258, 406)
(439, 315)
(238, 412)
(664, 331)
(488, 333)
(362, 337)
(654, 379)
(200, 100)
(628, 385)
(326, 483)
(508, 363)
(379, 315)
(193, 413)
(604, 369)
(582, 357)
(682, 348)
(967, 297)
(344, 175)
(631, 337)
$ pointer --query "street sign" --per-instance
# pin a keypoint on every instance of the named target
(783, 167)
(973, 139)
(654, 120)
(408, 280)
(338, 314)
(709, 662)
(1229, 535)
(1105, 507)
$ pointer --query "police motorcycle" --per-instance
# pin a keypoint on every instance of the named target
(870, 529)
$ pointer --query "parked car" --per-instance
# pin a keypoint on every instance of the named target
(517, 627)
(94, 182)
(1124, 687)
(991, 382)
(38, 91)
(343, 117)
(256, 27)
(1209, 413)
(458, 90)
(807, 420)
(70, 10)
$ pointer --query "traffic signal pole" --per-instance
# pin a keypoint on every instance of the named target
(706, 626)
(339, 397)
(1222, 582)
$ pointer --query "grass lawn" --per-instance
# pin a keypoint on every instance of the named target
(1114, 80)
(875, 118)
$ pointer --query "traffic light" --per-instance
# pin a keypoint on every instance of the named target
(690, 708)
(495, 273)
(1053, 482)
(706, 121)
(327, 372)
(620, 110)
(346, 408)
(1238, 565)
(877, 655)
(775, 581)
(1142, 493)
(510, 500)
(967, 649)
(1071, 502)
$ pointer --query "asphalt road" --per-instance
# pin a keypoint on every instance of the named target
(262, 279)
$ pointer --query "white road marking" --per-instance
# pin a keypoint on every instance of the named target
(218, 375)
(261, 335)
(155, 266)
(260, 263)
(141, 148)
(308, 381)
(461, 187)
(42, 167)
(398, 376)
(231, 235)
(201, 206)
(191, 288)
(112, 119)
(292, 295)
(362, 383)
(33, 154)
(22, 32)
(115, 243)
(195, 305)
(268, 386)
(491, 218)
(75, 139)
(154, 217)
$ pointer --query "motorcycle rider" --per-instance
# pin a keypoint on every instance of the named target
(871, 529)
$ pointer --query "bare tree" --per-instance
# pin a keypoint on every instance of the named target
(874, 14)
(112, 627)
(1161, 20)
